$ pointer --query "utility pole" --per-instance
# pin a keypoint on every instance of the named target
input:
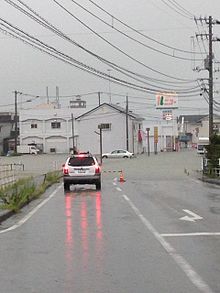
(100, 127)
(210, 79)
(209, 67)
(110, 95)
(16, 121)
(99, 97)
(127, 138)
(73, 133)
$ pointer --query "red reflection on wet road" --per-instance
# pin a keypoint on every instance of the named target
(84, 231)
(69, 240)
(99, 216)
(84, 234)
(68, 210)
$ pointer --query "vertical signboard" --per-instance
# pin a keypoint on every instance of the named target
(155, 139)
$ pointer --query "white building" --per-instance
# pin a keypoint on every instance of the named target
(48, 127)
(121, 129)
(163, 135)
(52, 129)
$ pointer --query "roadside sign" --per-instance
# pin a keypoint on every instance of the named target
(166, 101)
(155, 134)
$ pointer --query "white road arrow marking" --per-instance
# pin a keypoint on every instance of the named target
(193, 217)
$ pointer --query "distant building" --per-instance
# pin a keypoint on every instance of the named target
(49, 128)
(52, 130)
(191, 127)
(6, 131)
(78, 103)
(115, 135)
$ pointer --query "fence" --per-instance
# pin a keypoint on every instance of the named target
(9, 173)
(210, 171)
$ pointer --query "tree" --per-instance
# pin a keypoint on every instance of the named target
(213, 152)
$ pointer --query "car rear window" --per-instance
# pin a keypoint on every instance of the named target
(81, 161)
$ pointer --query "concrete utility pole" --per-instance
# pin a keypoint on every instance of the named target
(99, 97)
(16, 121)
(210, 79)
(127, 138)
(209, 67)
(73, 132)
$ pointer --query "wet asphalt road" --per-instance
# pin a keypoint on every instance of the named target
(128, 237)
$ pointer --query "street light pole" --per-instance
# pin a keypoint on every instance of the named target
(110, 95)
(73, 133)
(127, 138)
(16, 121)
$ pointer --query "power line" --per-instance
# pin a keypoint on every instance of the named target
(138, 32)
(46, 24)
(117, 48)
(59, 33)
(172, 7)
(28, 39)
(126, 35)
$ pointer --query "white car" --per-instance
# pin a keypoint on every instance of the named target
(118, 154)
(81, 169)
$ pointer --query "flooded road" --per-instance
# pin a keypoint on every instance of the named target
(128, 237)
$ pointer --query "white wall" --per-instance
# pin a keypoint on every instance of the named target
(111, 139)
(166, 130)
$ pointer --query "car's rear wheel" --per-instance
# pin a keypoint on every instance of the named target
(98, 185)
(66, 186)
(104, 157)
(125, 157)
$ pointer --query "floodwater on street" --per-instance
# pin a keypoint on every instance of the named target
(156, 232)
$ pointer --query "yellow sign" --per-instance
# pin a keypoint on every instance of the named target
(155, 134)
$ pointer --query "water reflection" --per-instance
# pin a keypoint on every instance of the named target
(84, 231)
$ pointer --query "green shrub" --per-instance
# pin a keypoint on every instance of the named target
(16, 195)
(213, 153)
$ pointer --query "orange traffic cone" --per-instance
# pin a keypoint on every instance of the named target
(121, 179)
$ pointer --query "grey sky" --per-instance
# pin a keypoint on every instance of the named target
(28, 70)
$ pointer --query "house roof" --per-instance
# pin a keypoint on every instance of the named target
(191, 118)
(6, 117)
(115, 107)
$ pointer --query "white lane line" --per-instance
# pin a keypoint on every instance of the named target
(194, 217)
(180, 261)
(196, 181)
(29, 215)
(190, 234)
(118, 188)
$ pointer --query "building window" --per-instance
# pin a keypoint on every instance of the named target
(55, 125)
(33, 125)
(105, 126)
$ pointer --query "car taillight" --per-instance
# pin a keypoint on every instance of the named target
(97, 169)
(65, 171)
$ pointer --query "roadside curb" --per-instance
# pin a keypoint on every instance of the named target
(210, 180)
(5, 214)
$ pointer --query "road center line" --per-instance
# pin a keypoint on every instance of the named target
(180, 261)
(32, 212)
(118, 188)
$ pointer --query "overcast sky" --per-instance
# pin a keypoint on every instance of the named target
(149, 66)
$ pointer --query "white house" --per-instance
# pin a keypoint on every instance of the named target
(121, 129)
